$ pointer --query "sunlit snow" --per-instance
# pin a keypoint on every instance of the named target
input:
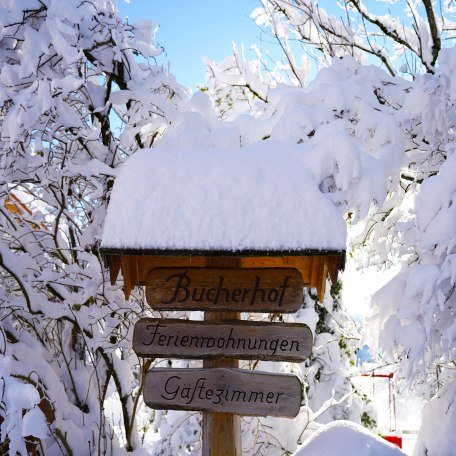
(262, 197)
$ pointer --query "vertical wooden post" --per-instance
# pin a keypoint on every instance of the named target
(221, 432)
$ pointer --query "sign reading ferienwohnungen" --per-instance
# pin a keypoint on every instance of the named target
(244, 290)
(173, 338)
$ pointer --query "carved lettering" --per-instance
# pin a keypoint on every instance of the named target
(175, 338)
(223, 390)
(255, 290)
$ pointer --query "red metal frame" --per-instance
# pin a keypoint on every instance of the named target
(394, 439)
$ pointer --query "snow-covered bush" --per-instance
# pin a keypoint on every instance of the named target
(79, 92)
(381, 141)
(353, 147)
(414, 314)
(437, 427)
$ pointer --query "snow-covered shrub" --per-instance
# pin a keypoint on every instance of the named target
(353, 147)
(79, 92)
(437, 427)
(21, 418)
(382, 144)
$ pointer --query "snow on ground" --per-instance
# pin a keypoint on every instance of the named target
(345, 438)
(262, 197)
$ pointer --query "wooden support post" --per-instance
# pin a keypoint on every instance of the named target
(221, 432)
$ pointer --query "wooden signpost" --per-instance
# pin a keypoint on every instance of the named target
(225, 390)
(267, 341)
(244, 290)
(220, 390)
(241, 274)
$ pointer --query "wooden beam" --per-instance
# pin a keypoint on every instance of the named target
(221, 432)
(301, 263)
(126, 274)
(312, 267)
(147, 263)
(114, 263)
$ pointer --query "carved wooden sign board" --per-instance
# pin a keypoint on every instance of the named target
(173, 338)
(224, 390)
(242, 290)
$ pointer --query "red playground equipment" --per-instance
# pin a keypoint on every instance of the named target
(395, 439)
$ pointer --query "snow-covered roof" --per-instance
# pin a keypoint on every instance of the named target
(257, 199)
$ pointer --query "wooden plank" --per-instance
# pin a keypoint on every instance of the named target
(315, 271)
(321, 286)
(247, 290)
(221, 432)
(114, 262)
(334, 263)
(148, 262)
(301, 263)
(126, 274)
(227, 390)
(262, 262)
(173, 338)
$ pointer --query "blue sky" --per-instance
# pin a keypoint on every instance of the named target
(189, 29)
(192, 28)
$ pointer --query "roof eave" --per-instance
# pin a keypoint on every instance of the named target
(220, 252)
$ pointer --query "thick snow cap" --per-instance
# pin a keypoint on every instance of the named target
(260, 199)
(345, 438)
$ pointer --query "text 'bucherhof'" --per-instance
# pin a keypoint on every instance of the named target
(253, 290)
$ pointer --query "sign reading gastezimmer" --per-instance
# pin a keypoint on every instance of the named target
(224, 390)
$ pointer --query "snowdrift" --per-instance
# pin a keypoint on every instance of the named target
(345, 438)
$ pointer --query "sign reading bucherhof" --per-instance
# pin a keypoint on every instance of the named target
(243, 290)
(224, 390)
